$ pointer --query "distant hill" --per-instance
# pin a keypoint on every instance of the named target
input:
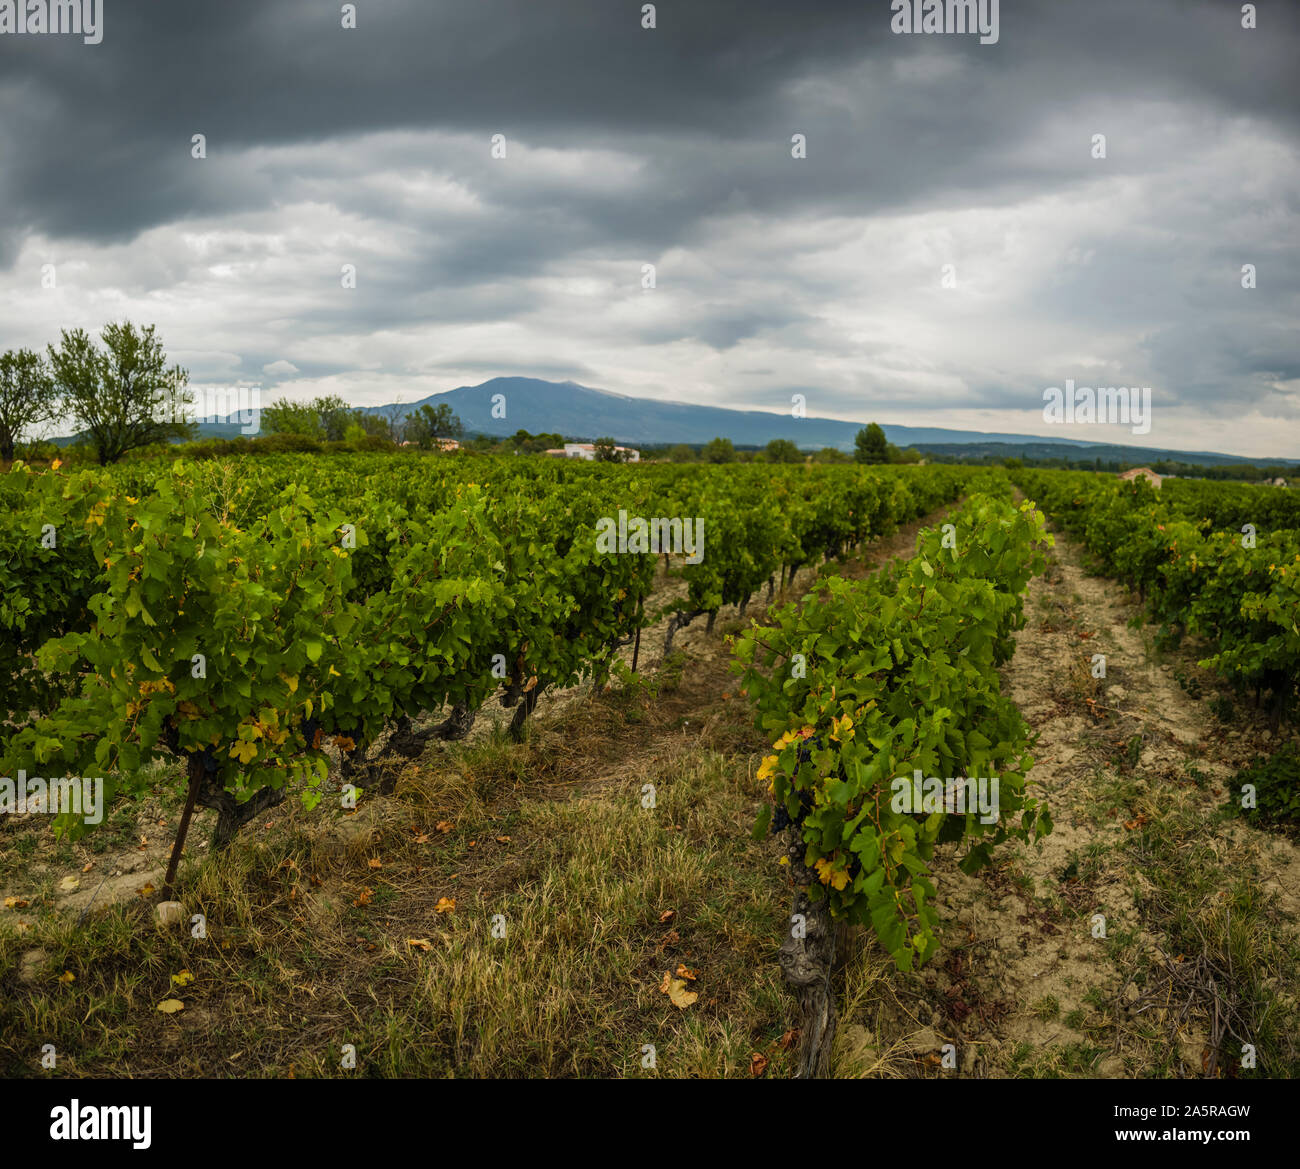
(580, 412)
(568, 408)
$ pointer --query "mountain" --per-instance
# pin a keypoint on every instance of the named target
(582, 412)
(570, 409)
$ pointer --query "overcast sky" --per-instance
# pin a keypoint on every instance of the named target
(672, 146)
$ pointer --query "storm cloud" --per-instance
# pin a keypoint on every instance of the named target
(950, 246)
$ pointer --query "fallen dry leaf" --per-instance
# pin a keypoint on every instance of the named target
(789, 1039)
(67, 976)
(676, 991)
(421, 838)
(757, 1063)
(682, 972)
(667, 915)
(503, 840)
(672, 937)
(87, 866)
(445, 905)
(68, 884)
(184, 978)
(16, 903)
(146, 890)
(419, 943)
(444, 825)
(366, 894)
(171, 1006)
(375, 863)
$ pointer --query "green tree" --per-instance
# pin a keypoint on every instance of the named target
(27, 397)
(121, 395)
(427, 425)
(375, 425)
(285, 417)
(681, 453)
(870, 445)
(335, 417)
(719, 450)
(607, 451)
(782, 450)
(830, 454)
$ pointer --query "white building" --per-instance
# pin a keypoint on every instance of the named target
(587, 450)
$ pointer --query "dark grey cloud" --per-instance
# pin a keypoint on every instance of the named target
(672, 147)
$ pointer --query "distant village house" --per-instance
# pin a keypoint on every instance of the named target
(587, 450)
(1143, 472)
(443, 444)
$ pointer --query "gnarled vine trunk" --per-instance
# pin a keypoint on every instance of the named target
(808, 963)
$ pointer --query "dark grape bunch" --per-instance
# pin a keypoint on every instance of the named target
(781, 818)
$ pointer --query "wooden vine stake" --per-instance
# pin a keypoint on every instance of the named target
(194, 767)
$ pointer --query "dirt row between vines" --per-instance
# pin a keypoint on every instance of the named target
(1149, 934)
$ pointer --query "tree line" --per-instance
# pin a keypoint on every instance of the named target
(870, 446)
(119, 394)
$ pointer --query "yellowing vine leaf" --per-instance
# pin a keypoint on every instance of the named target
(243, 751)
(675, 989)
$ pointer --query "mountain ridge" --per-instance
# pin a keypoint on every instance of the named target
(535, 405)
(585, 412)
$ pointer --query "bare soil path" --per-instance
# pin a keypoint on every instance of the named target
(1149, 934)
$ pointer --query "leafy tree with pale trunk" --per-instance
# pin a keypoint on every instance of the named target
(426, 426)
(121, 394)
(27, 397)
